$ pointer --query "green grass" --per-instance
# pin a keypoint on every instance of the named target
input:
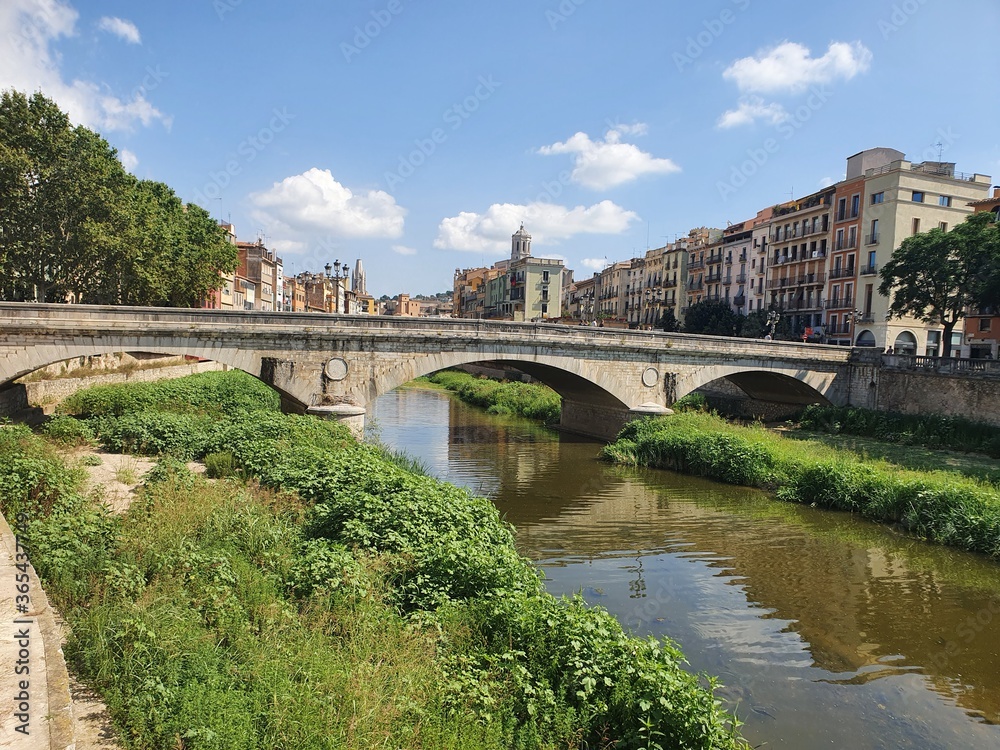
(927, 430)
(506, 398)
(940, 506)
(323, 595)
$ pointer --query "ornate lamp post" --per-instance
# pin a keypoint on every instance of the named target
(772, 320)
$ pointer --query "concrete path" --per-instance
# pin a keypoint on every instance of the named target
(35, 708)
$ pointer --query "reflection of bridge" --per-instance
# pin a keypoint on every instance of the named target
(339, 364)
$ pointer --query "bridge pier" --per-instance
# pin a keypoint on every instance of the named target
(348, 414)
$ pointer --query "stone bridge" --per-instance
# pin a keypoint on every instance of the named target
(336, 365)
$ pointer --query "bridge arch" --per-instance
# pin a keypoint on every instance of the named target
(38, 357)
(567, 376)
(782, 385)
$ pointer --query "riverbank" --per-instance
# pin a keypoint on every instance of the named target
(509, 398)
(319, 590)
(942, 507)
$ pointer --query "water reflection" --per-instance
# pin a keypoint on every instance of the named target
(826, 629)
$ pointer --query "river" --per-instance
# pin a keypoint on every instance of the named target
(825, 630)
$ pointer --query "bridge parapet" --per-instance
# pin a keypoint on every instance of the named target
(317, 360)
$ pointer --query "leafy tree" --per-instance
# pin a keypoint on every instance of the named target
(668, 321)
(75, 225)
(754, 325)
(935, 276)
(712, 318)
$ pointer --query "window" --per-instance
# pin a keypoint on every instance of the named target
(855, 205)
(840, 240)
(916, 226)
(878, 197)
(842, 209)
(943, 226)
(852, 236)
(918, 196)
(944, 200)
(984, 324)
(873, 238)
(545, 309)
(869, 291)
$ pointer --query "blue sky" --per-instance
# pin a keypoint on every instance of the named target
(417, 135)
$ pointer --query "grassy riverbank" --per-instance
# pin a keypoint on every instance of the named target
(321, 596)
(944, 507)
(502, 397)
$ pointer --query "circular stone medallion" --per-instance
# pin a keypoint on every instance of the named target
(650, 376)
(336, 369)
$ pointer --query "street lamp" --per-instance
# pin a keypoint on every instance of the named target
(772, 320)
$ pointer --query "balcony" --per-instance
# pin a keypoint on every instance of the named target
(713, 277)
(741, 278)
(695, 286)
(714, 258)
(696, 264)
(840, 303)
(804, 304)
(847, 244)
(869, 270)
(843, 273)
(739, 300)
(871, 239)
(839, 329)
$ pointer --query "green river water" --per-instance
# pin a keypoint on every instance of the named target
(826, 630)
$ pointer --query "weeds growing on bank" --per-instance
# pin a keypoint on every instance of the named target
(928, 430)
(943, 507)
(324, 596)
(509, 398)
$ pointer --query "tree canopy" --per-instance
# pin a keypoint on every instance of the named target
(74, 225)
(936, 276)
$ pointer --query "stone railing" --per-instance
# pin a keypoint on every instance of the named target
(942, 365)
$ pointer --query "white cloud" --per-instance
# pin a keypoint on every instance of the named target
(825, 182)
(404, 250)
(125, 30)
(751, 109)
(790, 68)
(29, 62)
(595, 264)
(128, 159)
(312, 207)
(607, 163)
(547, 223)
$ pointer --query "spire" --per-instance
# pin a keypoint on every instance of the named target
(360, 281)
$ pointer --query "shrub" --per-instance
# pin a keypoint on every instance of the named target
(68, 431)
(505, 398)
(220, 465)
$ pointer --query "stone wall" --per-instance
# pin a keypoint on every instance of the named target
(909, 392)
(49, 392)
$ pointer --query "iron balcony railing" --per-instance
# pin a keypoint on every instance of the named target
(840, 302)
(843, 273)
(869, 270)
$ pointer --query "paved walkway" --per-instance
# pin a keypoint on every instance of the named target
(35, 708)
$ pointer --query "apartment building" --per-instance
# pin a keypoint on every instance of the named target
(901, 199)
(735, 251)
(612, 286)
(259, 265)
(797, 259)
(697, 245)
(844, 308)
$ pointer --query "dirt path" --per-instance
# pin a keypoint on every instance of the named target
(115, 480)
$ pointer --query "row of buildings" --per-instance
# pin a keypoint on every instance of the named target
(815, 259)
(259, 283)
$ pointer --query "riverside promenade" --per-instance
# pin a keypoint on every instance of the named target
(36, 711)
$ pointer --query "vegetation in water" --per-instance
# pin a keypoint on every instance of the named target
(324, 596)
(508, 398)
(929, 430)
(943, 507)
